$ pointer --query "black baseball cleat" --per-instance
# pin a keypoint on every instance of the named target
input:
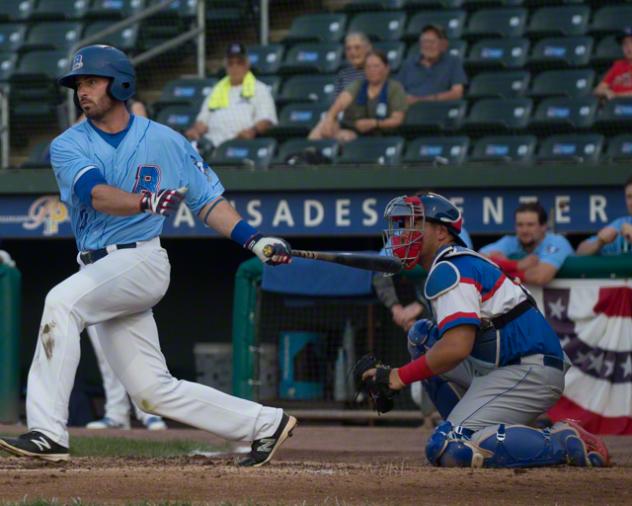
(35, 444)
(263, 449)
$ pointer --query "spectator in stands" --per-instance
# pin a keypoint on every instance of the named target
(357, 46)
(239, 106)
(374, 105)
(615, 238)
(618, 80)
(433, 74)
(534, 255)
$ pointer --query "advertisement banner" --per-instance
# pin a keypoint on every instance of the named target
(338, 213)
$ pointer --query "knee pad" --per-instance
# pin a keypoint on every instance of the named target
(521, 446)
(441, 394)
(450, 446)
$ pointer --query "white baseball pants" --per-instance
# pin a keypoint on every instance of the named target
(116, 295)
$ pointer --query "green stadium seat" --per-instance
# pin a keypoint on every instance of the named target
(615, 115)
(394, 51)
(12, 36)
(437, 150)
(456, 47)
(181, 9)
(115, 9)
(607, 51)
(373, 150)
(434, 4)
(265, 59)
(297, 151)
(273, 82)
(562, 52)
(223, 12)
(432, 116)
(498, 53)
(502, 84)
(185, 91)
(564, 113)
(323, 57)
(303, 88)
(387, 25)
(252, 154)
(8, 61)
(451, 21)
(323, 27)
(53, 35)
(564, 20)
(583, 148)
(504, 148)
(60, 9)
(612, 18)
(620, 148)
(297, 119)
(369, 5)
(499, 114)
(126, 40)
(178, 116)
(501, 22)
(478, 4)
(45, 64)
(569, 83)
(16, 10)
(39, 157)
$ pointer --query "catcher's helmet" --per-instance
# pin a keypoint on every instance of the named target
(406, 215)
(103, 61)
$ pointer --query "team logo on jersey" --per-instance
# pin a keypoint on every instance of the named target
(77, 62)
(200, 165)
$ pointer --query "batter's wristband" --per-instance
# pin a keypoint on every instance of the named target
(242, 233)
(417, 370)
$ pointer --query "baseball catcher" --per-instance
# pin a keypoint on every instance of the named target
(489, 360)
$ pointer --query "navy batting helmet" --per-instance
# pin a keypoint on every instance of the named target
(103, 61)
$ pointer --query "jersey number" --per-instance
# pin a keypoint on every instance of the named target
(147, 179)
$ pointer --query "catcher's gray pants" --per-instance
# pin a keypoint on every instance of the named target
(513, 394)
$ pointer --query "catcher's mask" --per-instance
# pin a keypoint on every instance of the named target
(403, 238)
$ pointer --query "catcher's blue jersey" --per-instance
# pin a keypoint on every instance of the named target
(150, 157)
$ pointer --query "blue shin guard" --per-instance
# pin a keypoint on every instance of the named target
(515, 446)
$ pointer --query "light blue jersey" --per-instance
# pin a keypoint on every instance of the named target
(620, 246)
(150, 157)
(553, 249)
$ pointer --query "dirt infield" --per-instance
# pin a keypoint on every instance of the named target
(319, 465)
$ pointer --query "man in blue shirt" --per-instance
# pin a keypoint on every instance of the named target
(615, 238)
(120, 175)
(534, 255)
(433, 74)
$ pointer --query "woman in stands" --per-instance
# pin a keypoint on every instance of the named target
(375, 105)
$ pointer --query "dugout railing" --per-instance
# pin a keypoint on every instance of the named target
(259, 317)
(10, 301)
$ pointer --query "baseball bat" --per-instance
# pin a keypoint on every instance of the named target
(367, 261)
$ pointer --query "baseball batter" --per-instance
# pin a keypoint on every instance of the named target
(120, 175)
(489, 360)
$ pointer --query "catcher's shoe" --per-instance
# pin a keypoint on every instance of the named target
(263, 449)
(35, 444)
(596, 452)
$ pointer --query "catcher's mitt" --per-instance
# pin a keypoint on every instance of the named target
(376, 387)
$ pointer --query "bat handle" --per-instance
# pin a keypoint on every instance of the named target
(268, 251)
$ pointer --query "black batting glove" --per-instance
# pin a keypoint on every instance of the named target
(163, 202)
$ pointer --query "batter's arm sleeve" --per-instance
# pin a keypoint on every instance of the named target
(385, 290)
(69, 162)
(203, 184)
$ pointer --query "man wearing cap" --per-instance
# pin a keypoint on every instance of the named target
(433, 74)
(618, 80)
(239, 106)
